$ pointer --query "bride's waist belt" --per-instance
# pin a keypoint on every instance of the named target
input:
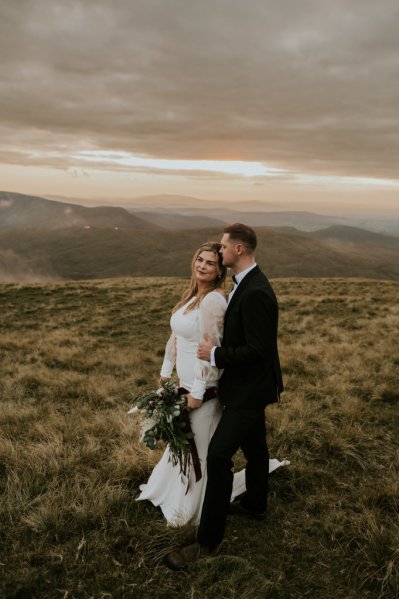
(210, 393)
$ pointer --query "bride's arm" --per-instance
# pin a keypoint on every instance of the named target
(169, 359)
(211, 318)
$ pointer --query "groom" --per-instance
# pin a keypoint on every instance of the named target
(251, 380)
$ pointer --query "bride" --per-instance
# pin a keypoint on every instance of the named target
(200, 310)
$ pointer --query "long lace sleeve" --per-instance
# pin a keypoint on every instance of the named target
(211, 318)
(169, 357)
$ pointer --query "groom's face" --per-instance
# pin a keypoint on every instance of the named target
(228, 251)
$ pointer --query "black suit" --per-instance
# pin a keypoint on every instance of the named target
(251, 380)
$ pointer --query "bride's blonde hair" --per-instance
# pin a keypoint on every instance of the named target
(192, 290)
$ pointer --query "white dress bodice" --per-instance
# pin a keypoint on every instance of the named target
(188, 328)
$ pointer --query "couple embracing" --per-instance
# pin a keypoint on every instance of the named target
(228, 343)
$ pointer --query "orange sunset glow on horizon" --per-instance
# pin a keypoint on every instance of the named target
(292, 104)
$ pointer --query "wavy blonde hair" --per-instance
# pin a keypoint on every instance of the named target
(217, 283)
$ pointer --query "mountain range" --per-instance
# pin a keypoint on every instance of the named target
(43, 238)
(178, 212)
(254, 213)
(18, 211)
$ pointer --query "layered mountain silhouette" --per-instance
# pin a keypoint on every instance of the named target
(41, 238)
(18, 211)
(256, 213)
(355, 236)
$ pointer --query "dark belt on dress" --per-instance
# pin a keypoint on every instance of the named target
(210, 393)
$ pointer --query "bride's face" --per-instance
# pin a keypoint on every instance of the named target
(206, 267)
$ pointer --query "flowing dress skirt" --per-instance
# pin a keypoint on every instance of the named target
(179, 497)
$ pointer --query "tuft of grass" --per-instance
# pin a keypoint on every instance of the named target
(73, 356)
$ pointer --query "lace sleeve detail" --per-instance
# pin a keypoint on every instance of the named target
(169, 359)
(211, 319)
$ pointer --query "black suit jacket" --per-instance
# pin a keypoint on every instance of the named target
(249, 355)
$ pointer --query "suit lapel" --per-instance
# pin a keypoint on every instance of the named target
(240, 289)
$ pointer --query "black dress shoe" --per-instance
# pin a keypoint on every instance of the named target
(181, 558)
(239, 508)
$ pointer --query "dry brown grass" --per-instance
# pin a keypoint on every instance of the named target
(72, 357)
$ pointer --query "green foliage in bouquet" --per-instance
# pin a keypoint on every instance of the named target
(165, 419)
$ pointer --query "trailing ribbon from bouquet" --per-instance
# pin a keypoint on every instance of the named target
(209, 394)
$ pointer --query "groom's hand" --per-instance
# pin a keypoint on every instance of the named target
(192, 403)
(204, 348)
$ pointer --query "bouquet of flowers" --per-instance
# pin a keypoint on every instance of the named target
(166, 419)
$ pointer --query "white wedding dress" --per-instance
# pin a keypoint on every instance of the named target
(179, 497)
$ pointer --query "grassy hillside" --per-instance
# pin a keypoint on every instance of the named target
(100, 253)
(353, 235)
(72, 356)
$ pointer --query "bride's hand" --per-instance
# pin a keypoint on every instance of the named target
(163, 379)
(192, 403)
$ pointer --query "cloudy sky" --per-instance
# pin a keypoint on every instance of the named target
(274, 100)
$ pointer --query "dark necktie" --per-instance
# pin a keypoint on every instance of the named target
(234, 279)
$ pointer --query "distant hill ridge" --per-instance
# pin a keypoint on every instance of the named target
(262, 213)
(173, 220)
(354, 235)
(46, 238)
(171, 212)
(19, 211)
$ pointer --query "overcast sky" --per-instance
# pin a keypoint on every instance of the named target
(103, 99)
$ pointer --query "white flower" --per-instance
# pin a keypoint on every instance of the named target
(133, 410)
(160, 391)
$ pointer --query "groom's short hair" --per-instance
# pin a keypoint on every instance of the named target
(243, 233)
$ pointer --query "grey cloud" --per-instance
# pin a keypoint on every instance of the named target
(309, 85)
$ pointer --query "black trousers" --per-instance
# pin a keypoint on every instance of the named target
(236, 429)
